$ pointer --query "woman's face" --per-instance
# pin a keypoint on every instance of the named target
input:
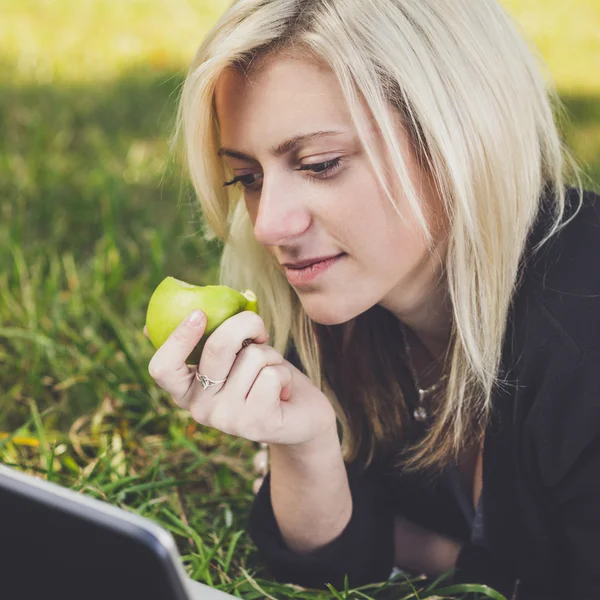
(337, 206)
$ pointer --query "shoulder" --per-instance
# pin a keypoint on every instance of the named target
(556, 342)
(564, 276)
(554, 320)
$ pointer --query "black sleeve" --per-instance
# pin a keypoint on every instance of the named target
(579, 517)
(477, 565)
(568, 455)
(364, 550)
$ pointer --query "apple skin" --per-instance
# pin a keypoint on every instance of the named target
(173, 300)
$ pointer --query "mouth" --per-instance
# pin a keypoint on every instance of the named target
(307, 263)
(304, 275)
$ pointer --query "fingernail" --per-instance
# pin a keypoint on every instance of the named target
(195, 318)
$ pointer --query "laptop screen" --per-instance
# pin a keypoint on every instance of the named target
(52, 551)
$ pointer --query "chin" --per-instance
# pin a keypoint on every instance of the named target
(330, 320)
(331, 314)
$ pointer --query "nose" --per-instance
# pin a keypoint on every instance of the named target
(281, 215)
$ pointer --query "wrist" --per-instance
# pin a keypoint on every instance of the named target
(321, 448)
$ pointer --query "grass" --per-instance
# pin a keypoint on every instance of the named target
(93, 215)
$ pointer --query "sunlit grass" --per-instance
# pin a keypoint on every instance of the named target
(93, 215)
(90, 41)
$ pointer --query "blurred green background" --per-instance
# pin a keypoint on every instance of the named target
(94, 214)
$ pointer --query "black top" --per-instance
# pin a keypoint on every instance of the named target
(473, 515)
(541, 457)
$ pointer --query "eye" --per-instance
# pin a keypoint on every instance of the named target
(321, 171)
(245, 180)
(323, 168)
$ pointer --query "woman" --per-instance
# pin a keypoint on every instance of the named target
(428, 389)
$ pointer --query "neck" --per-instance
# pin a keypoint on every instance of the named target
(429, 340)
(421, 301)
(427, 361)
(428, 323)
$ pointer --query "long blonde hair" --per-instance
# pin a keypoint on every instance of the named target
(472, 95)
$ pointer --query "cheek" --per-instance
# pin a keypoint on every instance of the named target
(389, 246)
(371, 224)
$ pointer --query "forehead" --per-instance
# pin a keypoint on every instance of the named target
(284, 97)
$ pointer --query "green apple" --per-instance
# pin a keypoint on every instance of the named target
(173, 300)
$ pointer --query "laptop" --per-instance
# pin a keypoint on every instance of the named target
(58, 543)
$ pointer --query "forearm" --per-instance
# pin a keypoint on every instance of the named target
(420, 550)
(310, 494)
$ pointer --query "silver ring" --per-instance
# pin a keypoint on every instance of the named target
(247, 342)
(207, 381)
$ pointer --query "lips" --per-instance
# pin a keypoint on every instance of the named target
(307, 263)
(308, 275)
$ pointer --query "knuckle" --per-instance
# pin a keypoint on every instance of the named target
(252, 321)
(155, 371)
(270, 376)
(274, 356)
(263, 355)
(287, 375)
(254, 353)
(257, 319)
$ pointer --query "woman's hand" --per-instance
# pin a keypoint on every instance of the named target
(264, 398)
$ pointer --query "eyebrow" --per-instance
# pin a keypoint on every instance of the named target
(283, 148)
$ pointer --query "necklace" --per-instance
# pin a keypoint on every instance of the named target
(420, 413)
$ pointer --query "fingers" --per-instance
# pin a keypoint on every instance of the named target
(167, 367)
(264, 398)
(248, 364)
(226, 408)
(225, 342)
(218, 405)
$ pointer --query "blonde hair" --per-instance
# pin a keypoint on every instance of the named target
(479, 112)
